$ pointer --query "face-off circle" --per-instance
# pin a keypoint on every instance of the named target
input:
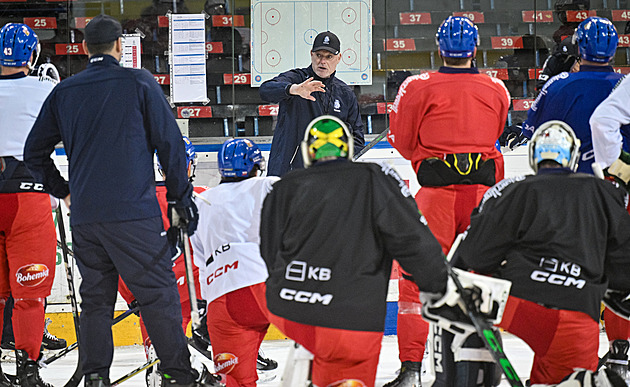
(349, 15)
(273, 58)
(272, 16)
(349, 57)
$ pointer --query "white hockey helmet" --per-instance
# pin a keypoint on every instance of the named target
(555, 141)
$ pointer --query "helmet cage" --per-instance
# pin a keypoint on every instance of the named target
(555, 141)
(326, 136)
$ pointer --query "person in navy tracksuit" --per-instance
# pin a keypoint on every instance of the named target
(304, 94)
(111, 121)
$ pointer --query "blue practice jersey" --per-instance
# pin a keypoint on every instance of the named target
(572, 98)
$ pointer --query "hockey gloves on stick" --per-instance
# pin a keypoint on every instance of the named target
(620, 169)
(488, 294)
(183, 213)
(586, 378)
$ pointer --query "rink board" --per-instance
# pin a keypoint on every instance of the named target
(128, 332)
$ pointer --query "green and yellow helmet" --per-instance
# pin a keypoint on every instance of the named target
(326, 136)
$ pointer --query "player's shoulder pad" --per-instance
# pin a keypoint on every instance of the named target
(391, 172)
(555, 79)
(496, 191)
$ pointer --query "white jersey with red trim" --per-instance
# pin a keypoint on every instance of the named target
(21, 98)
(226, 243)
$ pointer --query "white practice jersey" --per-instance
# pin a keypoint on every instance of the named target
(20, 102)
(606, 120)
(226, 243)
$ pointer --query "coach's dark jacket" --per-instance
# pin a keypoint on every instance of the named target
(295, 113)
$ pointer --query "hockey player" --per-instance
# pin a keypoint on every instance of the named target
(27, 232)
(562, 239)
(328, 236)
(446, 123)
(609, 120)
(232, 273)
(572, 97)
(111, 120)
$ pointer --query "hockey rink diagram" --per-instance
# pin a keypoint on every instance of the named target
(283, 32)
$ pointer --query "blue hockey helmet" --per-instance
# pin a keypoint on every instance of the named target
(17, 43)
(555, 141)
(238, 156)
(596, 38)
(457, 37)
(191, 159)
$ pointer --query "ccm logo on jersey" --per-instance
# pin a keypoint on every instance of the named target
(32, 275)
(225, 362)
(558, 273)
(221, 271)
(28, 186)
(305, 297)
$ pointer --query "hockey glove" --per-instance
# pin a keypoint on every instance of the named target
(620, 169)
(512, 137)
(183, 213)
(48, 72)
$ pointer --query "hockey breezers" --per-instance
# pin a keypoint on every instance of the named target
(76, 377)
(483, 328)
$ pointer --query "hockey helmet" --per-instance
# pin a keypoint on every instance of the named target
(457, 37)
(238, 156)
(326, 136)
(191, 159)
(556, 141)
(17, 43)
(596, 38)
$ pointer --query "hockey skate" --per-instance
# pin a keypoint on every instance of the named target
(50, 341)
(203, 379)
(265, 364)
(409, 375)
(618, 360)
(28, 371)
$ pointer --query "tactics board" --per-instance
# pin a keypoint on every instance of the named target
(283, 32)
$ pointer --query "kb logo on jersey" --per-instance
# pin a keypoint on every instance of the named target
(560, 273)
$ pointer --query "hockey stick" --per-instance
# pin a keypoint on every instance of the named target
(369, 146)
(74, 345)
(76, 377)
(135, 372)
(198, 196)
(190, 279)
(483, 328)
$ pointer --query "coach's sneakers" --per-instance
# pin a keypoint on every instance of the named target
(409, 375)
(50, 341)
(95, 380)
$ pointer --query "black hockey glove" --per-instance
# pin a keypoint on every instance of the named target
(512, 137)
(557, 63)
(183, 213)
